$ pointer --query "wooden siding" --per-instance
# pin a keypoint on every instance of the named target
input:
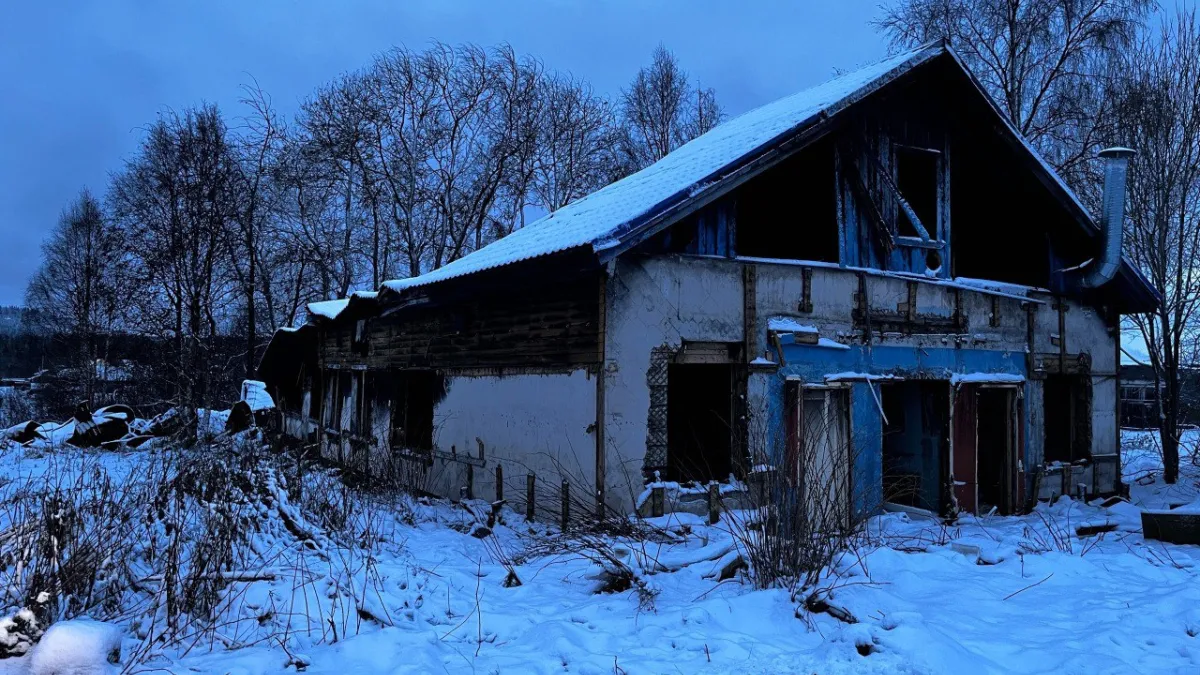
(556, 324)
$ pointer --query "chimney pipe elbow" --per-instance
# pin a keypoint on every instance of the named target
(1105, 266)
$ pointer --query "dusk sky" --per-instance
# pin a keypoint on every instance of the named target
(81, 79)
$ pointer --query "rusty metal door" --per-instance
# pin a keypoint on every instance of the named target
(964, 448)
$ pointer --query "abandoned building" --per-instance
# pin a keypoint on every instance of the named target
(1141, 394)
(879, 268)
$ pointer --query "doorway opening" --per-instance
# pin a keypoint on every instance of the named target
(819, 460)
(1067, 402)
(415, 393)
(700, 414)
(916, 443)
(997, 433)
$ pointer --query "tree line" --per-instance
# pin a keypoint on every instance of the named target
(224, 225)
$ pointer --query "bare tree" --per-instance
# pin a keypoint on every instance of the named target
(174, 202)
(574, 151)
(334, 134)
(75, 291)
(255, 152)
(662, 110)
(1039, 59)
(1157, 105)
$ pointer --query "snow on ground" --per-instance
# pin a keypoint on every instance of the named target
(984, 595)
(1141, 468)
(78, 647)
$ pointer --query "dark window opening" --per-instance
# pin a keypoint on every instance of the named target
(917, 178)
(354, 402)
(997, 451)
(700, 405)
(358, 341)
(414, 396)
(339, 389)
(790, 211)
(1067, 406)
(916, 443)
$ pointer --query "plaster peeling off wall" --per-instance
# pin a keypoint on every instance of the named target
(526, 422)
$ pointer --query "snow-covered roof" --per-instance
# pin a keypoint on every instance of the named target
(606, 219)
(328, 309)
(597, 219)
(331, 309)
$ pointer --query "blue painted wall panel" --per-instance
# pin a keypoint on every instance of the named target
(812, 364)
(867, 440)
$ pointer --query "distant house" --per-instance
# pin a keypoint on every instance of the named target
(879, 266)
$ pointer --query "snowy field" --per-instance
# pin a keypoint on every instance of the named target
(411, 587)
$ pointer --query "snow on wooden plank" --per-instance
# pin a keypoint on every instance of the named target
(983, 378)
(786, 324)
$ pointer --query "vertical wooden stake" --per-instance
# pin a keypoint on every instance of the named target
(499, 483)
(657, 502)
(529, 481)
(714, 503)
(566, 504)
(470, 481)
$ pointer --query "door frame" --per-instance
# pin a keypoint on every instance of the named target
(964, 445)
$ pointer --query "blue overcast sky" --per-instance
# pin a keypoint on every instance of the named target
(78, 80)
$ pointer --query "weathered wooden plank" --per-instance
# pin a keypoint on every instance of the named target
(556, 324)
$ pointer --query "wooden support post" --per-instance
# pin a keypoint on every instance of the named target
(566, 504)
(657, 500)
(499, 483)
(529, 482)
(470, 481)
(806, 305)
(601, 449)
(714, 502)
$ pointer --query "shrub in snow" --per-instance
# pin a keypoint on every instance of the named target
(18, 633)
(800, 522)
(78, 647)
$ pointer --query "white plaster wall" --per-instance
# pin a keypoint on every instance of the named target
(780, 288)
(651, 303)
(1086, 332)
(527, 422)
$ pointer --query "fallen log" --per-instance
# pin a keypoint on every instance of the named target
(1172, 527)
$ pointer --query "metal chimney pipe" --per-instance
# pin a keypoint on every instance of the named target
(1112, 219)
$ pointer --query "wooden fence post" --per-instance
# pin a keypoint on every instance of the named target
(714, 503)
(470, 481)
(499, 483)
(658, 498)
(566, 504)
(529, 482)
